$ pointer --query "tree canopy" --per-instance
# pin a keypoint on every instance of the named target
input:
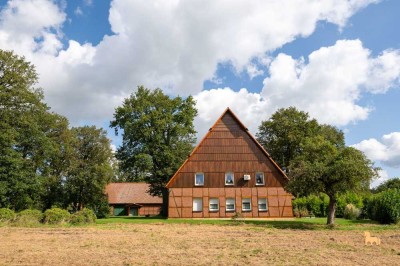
(39, 153)
(157, 136)
(388, 184)
(315, 156)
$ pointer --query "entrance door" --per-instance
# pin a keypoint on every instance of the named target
(119, 210)
(133, 211)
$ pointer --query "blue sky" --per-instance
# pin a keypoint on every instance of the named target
(338, 60)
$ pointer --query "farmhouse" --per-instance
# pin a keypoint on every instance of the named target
(132, 199)
(228, 172)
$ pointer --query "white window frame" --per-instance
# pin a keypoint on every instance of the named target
(263, 179)
(247, 201)
(195, 179)
(262, 201)
(230, 201)
(214, 201)
(197, 204)
(226, 178)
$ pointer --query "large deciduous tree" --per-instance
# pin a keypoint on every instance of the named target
(314, 156)
(282, 134)
(158, 135)
(90, 169)
(24, 145)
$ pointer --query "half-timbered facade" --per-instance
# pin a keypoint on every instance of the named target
(228, 172)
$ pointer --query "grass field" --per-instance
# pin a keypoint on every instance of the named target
(140, 241)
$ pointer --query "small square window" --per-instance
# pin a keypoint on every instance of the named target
(199, 179)
(246, 204)
(214, 204)
(262, 205)
(197, 204)
(229, 179)
(260, 179)
(230, 204)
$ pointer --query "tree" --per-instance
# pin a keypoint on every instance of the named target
(282, 134)
(314, 156)
(325, 167)
(158, 135)
(90, 170)
(23, 141)
(388, 184)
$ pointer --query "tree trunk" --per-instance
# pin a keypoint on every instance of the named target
(332, 210)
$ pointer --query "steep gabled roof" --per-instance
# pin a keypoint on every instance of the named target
(130, 193)
(242, 126)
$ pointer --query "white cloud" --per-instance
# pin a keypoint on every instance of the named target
(210, 104)
(328, 87)
(175, 45)
(330, 84)
(382, 177)
(386, 151)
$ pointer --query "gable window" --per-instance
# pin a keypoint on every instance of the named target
(260, 179)
(197, 204)
(230, 204)
(246, 204)
(229, 179)
(199, 179)
(214, 204)
(262, 204)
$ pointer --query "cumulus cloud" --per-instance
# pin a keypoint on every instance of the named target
(328, 85)
(174, 45)
(386, 150)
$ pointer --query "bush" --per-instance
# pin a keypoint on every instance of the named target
(348, 198)
(6, 215)
(386, 206)
(56, 216)
(351, 212)
(28, 218)
(84, 216)
(316, 205)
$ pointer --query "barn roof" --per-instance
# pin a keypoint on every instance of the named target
(130, 193)
(241, 125)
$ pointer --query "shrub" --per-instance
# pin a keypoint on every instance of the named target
(84, 216)
(316, 205)
(6, 215)
(28, 218)
(351, 212)
(348, 198)
(386, 208)
(56, 216)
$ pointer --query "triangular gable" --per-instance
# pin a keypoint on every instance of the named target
(228, 111)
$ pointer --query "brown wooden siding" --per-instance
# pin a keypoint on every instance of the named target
(279, 202)
(228, 147)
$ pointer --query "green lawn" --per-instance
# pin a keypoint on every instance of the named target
(295, 223)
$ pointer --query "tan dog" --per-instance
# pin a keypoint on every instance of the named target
(371, 239)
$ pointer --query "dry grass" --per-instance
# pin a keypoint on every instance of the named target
(186, 244)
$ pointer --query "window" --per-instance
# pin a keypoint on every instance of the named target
(262, 205)
(199, 179)
(214, 204)
(197, 204)
(260, 179)
(246, 204)
(229, 179)
(230, 204)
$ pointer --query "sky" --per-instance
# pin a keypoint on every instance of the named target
(338, 60)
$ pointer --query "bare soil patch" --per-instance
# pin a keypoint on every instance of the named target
(186, 244)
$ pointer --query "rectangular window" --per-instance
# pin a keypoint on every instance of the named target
(197, 204)
(199, 179)
(246, 204)
(230, 204)
(214, 204)
(262, 205)
(229, 179)
(260, 179)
